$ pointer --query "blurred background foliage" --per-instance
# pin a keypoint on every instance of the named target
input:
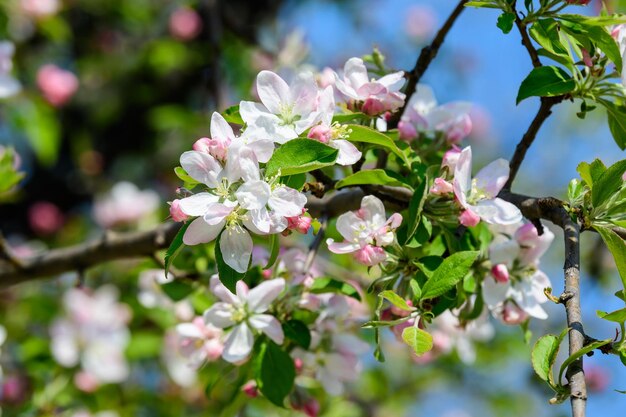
(150, 73)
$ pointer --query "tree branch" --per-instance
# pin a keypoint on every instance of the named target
(575, 374)
(532, 52)
(545, 110)
(426, 56)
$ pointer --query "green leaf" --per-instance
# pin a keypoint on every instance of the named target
(505, 22)
(276, 373)
(274, 249)
(40, 123)
(618, 316)
(232, 115)
(371, 176)
(182, 175)
(298, 156)
(448, 274)
(298, 332)
(9, 177)
(175, 247)
(546, 81)
(366, 135)
(324, 285)
(396, 300)
(618, 249)
(588, 348)
(228, 276)
(485, 4)
(420, 340)
(546, 33)
(295, 181)
(590, 173)
(344, 118)
(177, 290)
(609, 182)
(416, 206)
(544, 355)
(588, 35)
(602, 21)
(616, 116)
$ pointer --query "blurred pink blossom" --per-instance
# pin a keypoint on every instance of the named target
(56, 84)
(40, 8)
(45, 218)
(420, 21)
(124, 204)
(185, 24)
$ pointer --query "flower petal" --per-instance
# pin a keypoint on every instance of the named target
(261, 296)
(200, 231)
(219, 315)
(286, 201)
(268, 325)
(236, 247)
(220, 129)
(273, 91)
(497, 211)
(201, 167)
(196, 205)
(217, 212)
(348, 153)
(263, 149)
(492, 178)
(342, 247)
(253, 195)
(238, 344)
(463, 176)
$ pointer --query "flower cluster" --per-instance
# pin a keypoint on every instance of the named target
(515, 288)
(366, 231)
(93, 334)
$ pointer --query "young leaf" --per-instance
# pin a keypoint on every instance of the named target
(295, 181)
(544, 355)
(275, 248)
(590, 173)
(232, 115)
(448, 274)
(546, 81)
(546, 33)
(420, 340)
(608, 183)
(588, 348)
(618, 249)
(9, 177)
(228, 276)
(371, 176)
(415, 209)
(175, 247)
(298, 156)
(276, 373)
(396, 300)
(616, 116)
(324, 285)
(618, 316)
(298, 332)
(505, 22)
(364, 134)
(182, 175)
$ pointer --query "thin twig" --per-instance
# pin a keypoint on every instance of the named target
(426, 56)
(545, 110)
(532, 52)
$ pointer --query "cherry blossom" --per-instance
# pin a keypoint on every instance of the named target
(422, 114)
(243, 311)
(199, 342)
(285, 110)
(478, 195)
(373, 97)
(366, 231)
(9, 86)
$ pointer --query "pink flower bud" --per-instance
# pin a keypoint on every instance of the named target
(406, 130)
(14, 389)
(45, 218)
(86, 382)
(266, 273)
(40, 8)
(250, 389)
(451, 157)
(512, 314)
(527, 233)
(311, 408)
(185, 24)
(217, 148)
(373, 106)
(298, 364)
(202, 145)
(500, 273)
(320, 133)
(370, 255)
(176, 212)
(57, 85)
(579, 2)
(441, 187)
(300, 224)
(468, 218)
(623, 176)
